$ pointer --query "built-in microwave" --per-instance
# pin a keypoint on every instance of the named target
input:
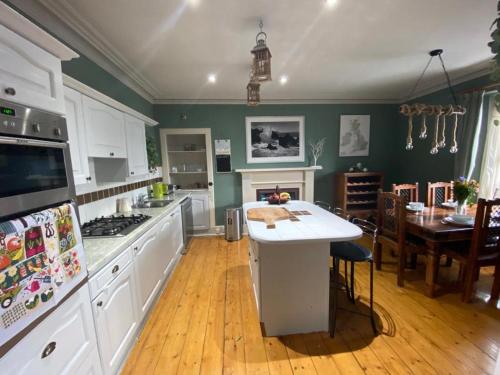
(35, 163)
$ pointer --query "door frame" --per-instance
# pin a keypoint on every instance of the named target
(207, 132)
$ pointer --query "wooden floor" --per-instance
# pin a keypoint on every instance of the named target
(206, 322)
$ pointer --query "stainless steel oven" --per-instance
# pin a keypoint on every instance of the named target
(35, 163)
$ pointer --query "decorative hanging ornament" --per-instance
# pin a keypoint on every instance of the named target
(440, 112)
(261, 57)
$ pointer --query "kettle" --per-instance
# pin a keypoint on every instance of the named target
(123, 205)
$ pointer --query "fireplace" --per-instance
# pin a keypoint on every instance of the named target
(256, 184)
(262, 194)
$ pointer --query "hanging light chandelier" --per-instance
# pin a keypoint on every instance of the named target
(253, 90)
(440, 112)
(261, 57)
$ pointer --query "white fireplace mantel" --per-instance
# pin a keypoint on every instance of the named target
(287, 178)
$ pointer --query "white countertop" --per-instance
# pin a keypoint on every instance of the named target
(101, 251)
(322, 225)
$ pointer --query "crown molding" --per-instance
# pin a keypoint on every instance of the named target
(27, 29)
(94, 94)
(67, 14)
(274, 101)
(482, 69)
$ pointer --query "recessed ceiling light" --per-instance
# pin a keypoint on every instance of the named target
(330, 3)
(212, 78)
(283, 79)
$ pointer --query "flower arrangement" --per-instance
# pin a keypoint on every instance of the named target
(465, 191)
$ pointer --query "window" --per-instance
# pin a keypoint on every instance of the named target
(490, 169)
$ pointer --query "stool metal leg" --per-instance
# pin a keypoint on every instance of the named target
(333, 312)
(351, 297)
(372, 318)
(346, 280)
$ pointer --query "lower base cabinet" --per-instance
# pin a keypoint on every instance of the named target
(116, 319)
(69, 331)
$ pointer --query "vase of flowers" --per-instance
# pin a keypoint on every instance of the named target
(465, 192)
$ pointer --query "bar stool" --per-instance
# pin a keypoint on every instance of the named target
(353, 253)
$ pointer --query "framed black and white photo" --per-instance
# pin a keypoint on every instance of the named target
(354, 135)
(275, 139)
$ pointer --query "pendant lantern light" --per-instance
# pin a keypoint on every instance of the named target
(253, 90)
(261, 57)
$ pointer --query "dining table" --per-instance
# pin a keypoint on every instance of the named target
(429, 225)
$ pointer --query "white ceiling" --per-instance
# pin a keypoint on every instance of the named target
(357, 50)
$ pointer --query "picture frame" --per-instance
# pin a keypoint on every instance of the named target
(354, 137)
(275, 139)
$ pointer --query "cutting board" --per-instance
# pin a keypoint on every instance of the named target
(269, 215)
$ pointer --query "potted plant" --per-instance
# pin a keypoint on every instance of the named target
(153, 157)
(465, 192)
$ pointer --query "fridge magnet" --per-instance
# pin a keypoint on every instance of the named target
(17, 312)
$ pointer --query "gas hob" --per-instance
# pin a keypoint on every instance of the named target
(113, 226)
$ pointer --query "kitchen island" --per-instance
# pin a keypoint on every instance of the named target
(290, 266)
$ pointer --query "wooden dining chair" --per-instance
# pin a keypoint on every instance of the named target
(483, 250)
(409, 192)
(439, 193)
(391, 223)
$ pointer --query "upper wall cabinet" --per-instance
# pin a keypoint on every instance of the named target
(105, 128)
(76, 135)
(28, 74)
(136, 146)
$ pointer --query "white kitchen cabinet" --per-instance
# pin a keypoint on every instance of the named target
(253, 260)
(164, 242)
(201, 210)
(137, 159)
(63, 343)
(176, 237)
(105, 130)
(116, 319)
(148, 269)
(77, 136)
(28, 74)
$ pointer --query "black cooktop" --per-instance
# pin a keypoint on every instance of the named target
(113, 226)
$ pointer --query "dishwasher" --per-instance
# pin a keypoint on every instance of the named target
(187, 222)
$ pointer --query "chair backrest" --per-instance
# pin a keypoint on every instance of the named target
(438, 193)
(486, 236)
(369, 229)
(324, 205)
(341, 213)
(409, 192)
(391, 217)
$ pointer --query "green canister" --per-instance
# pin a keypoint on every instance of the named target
(157, 190)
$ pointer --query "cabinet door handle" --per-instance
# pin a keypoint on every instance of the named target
(51, 346)
(136, 249)
(131, 172)
(111, 154)
(210, 184)
(99, 304)
(89, 178)
(10, 91)
(115, 269)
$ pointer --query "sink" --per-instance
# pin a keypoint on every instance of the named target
(156, 203)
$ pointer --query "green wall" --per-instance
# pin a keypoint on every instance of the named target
(418, 165)
(321, 120)
(91, 74)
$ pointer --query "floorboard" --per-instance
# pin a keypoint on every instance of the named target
(206, 322)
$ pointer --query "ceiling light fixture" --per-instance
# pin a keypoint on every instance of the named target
(253, 90)
(283, 79)
(212, 78)
(438, 111)
(330, 3)
(260, 70)
(261, 57)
